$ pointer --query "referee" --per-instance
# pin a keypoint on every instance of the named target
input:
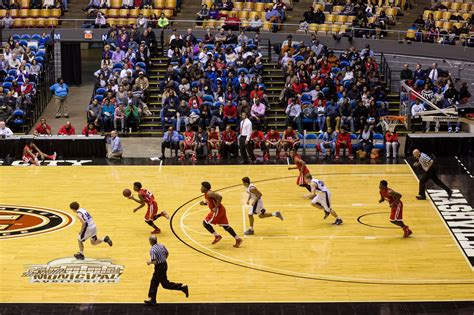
(428, 166)
(159, 254)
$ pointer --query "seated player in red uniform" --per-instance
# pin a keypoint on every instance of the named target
(257, 141)
(396, 206)
(343, 141)
(290, 140)
(31, 154)
(229, 142)
(214, 142)
(189, 143)
(146, 197)
(300, 165)
(217, 215)
(273, 140)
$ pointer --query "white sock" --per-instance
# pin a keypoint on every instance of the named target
(215, 234)
(274, 214)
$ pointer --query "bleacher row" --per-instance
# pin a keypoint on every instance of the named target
(33, 17)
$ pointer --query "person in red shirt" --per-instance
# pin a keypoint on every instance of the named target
(396, 206)
(214, 142)
(89, 129)
(273, 140)
(300, 165)
(229, 142)
(146, 197)
(189, 143)
(217, 215)
(43, 128)
(230, 113)
(194, 102)
(290, 140)
(297, 87)
(257, 141)
(31, 154)
(343, 141)
(391, 143)
(67, 129)
(26, 87)
(232, 22)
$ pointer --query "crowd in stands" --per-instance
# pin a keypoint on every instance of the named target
(31, 13)
(21, 63)
(436, 86)
(34, 4)
(444, 23)
(122, 88)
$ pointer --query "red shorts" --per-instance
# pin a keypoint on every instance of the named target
(218, 217)
(214, 145)
(300, 180)
(188, 146)
(396, 212)
(28, 158)
(152, 211)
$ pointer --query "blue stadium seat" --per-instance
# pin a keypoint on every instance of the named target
(209, 46)
(100, 91)
(252, 46)
(99, 98)
(12, 72)
(298, 58)
(306, 98)
(354, 136)
(23, 42)
(16, 37)
(379, 141)
(39, 53)
(141, 64)
(7, 85)
(344, 64)
(25, 36)
(118, 65)
(39, 59)
(208, 98)
(36, 37)
(18, 113)
(208, 104)
(335, 70)
(310, 136)
(242, 70)
(9, 79)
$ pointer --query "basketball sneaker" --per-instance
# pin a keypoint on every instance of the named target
(209, 156)
(406, 231)
(265, 157)
(165, 214)
(53, 157)
(278, 215)
(217, 238)
(181, 157)
(238, 242)
(338, 222)
(351, 157)
(156, 231)
(79, 256)
(249, 232)
(108, 240)
(219, 157)
(193, 158)
(326, 214)
(336, 157)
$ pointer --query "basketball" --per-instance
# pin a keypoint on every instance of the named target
(127, 192)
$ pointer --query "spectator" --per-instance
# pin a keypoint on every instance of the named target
(107, 116)
(203, 14)
(293, 112)
(309, 16)
(132, 116)
(60, 91)
(272, 15)
(100, 21)
(232, 22)
(93, 112)
(416, 109)
(406, 74)
(255, 24)
(229, 143)
(346, 115)
(31, 153)
(257, 114)
(344, 142)
(290, 140)
(188, 143)
(67, 129)
(201, 142)
(257, 141)
(391, 143)
(214, 142)
(7, 21)
(182, 115)
(272, 140)
(171, 141)
(42, 129)
(142, 22)
(93, 4)
(434, 73)
(419, 74)
(329, 142)
(4, 130)
(119, 117)
(366, 142)
(168, 114)
(89, 129)
(163, 21)
(116, 150)
(333, 118)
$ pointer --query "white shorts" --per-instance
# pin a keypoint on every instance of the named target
(323, 199)
(257, 208)
(90, 231)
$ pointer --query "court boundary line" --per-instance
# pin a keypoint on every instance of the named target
(251, 302)
(445, 224)
(279, 272)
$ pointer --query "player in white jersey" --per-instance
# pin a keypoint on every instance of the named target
(321, 197)
(256, 205)
(88, 230)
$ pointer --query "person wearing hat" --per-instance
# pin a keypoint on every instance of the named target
(142, 84)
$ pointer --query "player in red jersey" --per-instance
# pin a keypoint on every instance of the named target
(300, 165)
(273, 140)
(217, 215)
(344, 141)
(396, 206)
(229, 142)
(290, 140)
(145, 197)
(189, 143)
(214, 142)
(257, 141)
(31, 154)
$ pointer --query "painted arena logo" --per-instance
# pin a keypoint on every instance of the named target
(47, 163)
(459, 217)
(20, 221)
(72, 270)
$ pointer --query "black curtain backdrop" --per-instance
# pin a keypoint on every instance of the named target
(71, 65)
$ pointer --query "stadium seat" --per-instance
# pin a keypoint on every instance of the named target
(379, 141)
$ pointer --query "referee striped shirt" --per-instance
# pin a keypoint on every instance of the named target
(424, 160)
(158, 253)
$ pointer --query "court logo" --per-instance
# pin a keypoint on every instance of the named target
(72, 270)
(21, 221)
(459, 217)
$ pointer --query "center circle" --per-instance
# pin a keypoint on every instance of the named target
(359, 219)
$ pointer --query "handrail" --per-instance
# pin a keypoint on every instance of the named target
(418, 95)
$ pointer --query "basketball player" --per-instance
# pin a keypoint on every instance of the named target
(146, 197)
(290, 140)
(214, 142)
(273, 140)
(189, 143)
(88, 230)
(321, 197)
(396, 206)
(256, 205)
(217, 215)
(302, 168)
(31, 154)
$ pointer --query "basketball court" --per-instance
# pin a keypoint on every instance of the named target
(301, 259)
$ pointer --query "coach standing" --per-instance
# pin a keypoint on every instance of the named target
(428, 166)
(158, 256)
(60, 91)
(245, 132)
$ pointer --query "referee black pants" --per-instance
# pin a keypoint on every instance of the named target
(430, 174)
(159, 276)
